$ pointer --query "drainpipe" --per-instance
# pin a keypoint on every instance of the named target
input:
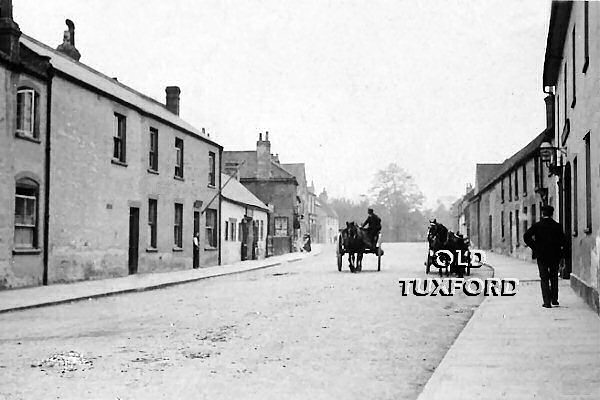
(50, 76)
(220, 203)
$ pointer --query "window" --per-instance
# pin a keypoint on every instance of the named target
(502, 190)
(516, 184)
(510, 226)
(27, 113)
(502, 223)
(226, 230)
(211, 228)
(536, 171)
(524, 180)
(575, 200)
(178, 158)
(573, 71)
(524, 219)
(586, 36)
(152, 219)
(533, 214)
(26, 197)
(232, 227)
(509, 187)
(178, 226)
(517, 226)
(239, 235)
(588, 186)
(153, 154)
(281, 226)
(120, 138)
(262, 229)
(211, 168)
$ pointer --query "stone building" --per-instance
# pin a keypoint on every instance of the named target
(571, 77)
(260, 172)
(100, 180)
(244, 223)
(328, 224)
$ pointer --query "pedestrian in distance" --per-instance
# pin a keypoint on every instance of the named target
(547, 241)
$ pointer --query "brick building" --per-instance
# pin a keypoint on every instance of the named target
(260, 172)
(572, 78)
(100, 180)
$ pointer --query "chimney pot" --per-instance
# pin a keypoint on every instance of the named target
(260, 136)
(267, 136)
(9, 31)
(68, 45)
(172, 103)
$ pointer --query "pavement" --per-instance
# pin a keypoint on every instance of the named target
(40, 296)
(512, 348)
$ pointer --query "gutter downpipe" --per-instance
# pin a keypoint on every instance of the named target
(50, 77)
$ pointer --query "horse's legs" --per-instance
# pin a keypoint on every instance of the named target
(359, 258)
(351, 261)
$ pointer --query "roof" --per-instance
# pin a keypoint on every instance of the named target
(298, 170)
(560, 13)
(484, 172)
(515, 160)
(236, 192)
(248, 170)
(110, 86)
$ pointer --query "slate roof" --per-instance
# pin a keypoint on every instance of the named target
(248, 170)
(88, 76)
(236, 192)
(298, 170)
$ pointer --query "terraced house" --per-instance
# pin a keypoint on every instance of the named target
(96, 179)
(572, 75)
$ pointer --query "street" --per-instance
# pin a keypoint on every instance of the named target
(303, 330)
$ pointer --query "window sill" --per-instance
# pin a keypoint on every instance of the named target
(152, 171)
(177, 249)
(151, 250)
(179, 178)
(587, 231)
(25, 251)
(211, 186)
(211, 248)
(118, 162)
(27, 137)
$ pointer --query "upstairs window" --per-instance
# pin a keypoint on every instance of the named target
(27, 113)
(26, 206)
(516, 184)
(502, 190)
(178, 158)
(586, 36)
(524, 180)
(211, 169)
(119, 138)
(153, 153)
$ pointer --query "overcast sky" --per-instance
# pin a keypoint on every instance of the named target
(344, 86)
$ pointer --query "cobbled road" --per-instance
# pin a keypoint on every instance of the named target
(299, 331)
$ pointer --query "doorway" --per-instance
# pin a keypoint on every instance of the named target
(134, 236)
(244, 227)
(196, 240)
(567, 219)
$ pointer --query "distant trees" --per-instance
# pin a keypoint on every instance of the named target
(397, 199)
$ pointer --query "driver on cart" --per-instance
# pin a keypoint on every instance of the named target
(372, 226)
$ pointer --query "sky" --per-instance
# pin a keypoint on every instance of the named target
(345, 87)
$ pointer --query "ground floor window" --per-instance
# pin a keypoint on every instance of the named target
(26, 205)
(211, 228)
(232, 228)
(281, 226)
(152, 219)
(178, 226)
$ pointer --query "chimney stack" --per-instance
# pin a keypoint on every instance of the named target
(173, 93)
(263, 157)
(9, 31)
(68, 45)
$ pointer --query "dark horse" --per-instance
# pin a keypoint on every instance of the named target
(440, 238)
(356, 242)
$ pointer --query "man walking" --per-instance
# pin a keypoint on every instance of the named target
(547, 240)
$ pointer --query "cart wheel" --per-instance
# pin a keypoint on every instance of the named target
(340, 254)
(428, 265)
(379, 259)
(339, 260)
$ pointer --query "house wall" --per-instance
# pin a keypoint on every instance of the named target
(20, 158)
(232, 246)
(91, 196)
(282, 196)
(583, 116)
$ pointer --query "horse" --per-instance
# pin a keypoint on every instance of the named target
(355, 242)
(440, 238)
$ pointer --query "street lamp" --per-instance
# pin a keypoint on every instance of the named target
(549, 156)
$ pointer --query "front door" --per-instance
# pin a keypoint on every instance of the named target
(134, 236)
(567, 219)
(244, 227)
(196, 240)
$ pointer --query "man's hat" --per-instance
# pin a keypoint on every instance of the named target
(370, 210)
(548, 210)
